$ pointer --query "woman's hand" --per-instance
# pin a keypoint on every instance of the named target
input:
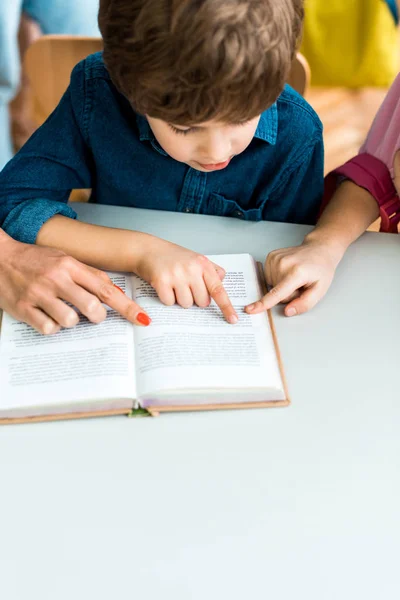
(35, 281)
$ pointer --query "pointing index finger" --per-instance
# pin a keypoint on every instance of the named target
(219, 295)
(277, 294)
(101, 286)
(126, 307)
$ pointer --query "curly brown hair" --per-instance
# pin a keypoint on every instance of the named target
(190, 61)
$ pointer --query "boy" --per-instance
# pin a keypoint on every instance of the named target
(186, 113)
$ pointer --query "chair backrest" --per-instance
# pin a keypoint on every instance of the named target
(48, 63)
(300, 74)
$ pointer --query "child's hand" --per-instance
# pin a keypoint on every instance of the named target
(185, 277)
(300, 276)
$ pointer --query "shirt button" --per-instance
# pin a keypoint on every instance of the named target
(188, 210)
(238, 214)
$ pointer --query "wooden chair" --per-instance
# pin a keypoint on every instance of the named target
(49, 61)
(48, 64)
(300, 74)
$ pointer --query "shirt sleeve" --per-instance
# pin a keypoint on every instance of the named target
(35, 185)
(383, 139)
(301, 190)
(372, 168)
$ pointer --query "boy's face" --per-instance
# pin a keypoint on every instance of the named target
(206, 147)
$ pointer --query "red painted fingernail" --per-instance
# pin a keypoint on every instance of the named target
(143, 319)
(118, 288)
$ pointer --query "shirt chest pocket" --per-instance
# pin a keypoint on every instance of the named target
(221, 206)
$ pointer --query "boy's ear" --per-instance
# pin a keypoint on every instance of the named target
(396, 170)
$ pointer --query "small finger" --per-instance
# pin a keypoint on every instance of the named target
(305, 302)
(219, 295)
(200, 293)
(219, 270)
(166, 294)
(183, 295)
(277, 294)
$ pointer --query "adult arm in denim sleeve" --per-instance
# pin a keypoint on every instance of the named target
(36, 184)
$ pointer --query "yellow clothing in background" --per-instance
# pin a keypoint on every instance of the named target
(352, 43)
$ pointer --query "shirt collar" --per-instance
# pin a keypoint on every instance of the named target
(267, 128)
(146, 134)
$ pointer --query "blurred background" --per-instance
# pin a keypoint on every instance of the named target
(352, 47)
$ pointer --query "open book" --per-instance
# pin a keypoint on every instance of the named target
(187, 359)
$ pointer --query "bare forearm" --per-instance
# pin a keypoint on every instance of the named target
(101, 247)
(350, 212)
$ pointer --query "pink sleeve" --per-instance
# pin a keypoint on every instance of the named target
(383, 139)
(372, 168)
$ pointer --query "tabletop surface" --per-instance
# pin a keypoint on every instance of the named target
(297, 502)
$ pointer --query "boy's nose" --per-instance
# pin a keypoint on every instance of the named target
(216, 150)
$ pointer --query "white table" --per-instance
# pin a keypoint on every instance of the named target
(291, 503)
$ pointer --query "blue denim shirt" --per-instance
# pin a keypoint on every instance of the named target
(95, 140)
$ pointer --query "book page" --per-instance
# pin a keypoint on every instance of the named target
(82, 366)
(194, 349)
